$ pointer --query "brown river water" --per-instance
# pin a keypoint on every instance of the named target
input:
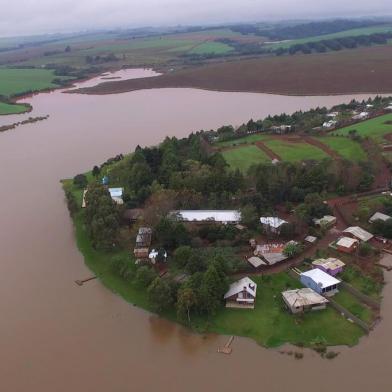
(57, 336)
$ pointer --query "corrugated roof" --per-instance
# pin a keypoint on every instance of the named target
(359, 233)
(379, 216)
(256, 261)
(116, 192)
(346, 242)
(303, 297)
(331, 263)
(244, 283)
(321, 278)
(272, 221)
(208, 215)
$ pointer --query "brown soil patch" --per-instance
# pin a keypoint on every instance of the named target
(351, 71)
(268, 151)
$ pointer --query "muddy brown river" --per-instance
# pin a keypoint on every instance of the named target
(57, 336)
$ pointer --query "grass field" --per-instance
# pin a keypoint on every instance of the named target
(374, 128)
(6, 108)
(211, 47)
(243, 140)
(17, 81)
(353, 305)
(295, 152)
(244, 157)
(345, 147)
(341, 34)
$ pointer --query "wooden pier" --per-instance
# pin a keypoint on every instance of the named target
(226, 349)
(80, 282)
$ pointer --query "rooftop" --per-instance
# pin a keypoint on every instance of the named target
(303, 297)
(346, 242)
(359, 233)
(272, 221)
(331, 263)
(379, 216)
(321, 278)
(238, 286)
(208, 215)
(116, 192)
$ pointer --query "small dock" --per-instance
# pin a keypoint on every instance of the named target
(226, 349)
(81, 282)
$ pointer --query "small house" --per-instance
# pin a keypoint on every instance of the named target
(241, 294)
(358, 233)
(389, 108)
(379, 216)
(327, 221)
(302, 300)
(143, 238)
(157, 256)
(320, 282)
(116, 195)
(282, 129)
(256, 261)
(208, 216)
(361, 116)
(346, 245)
(84, 198)
(272, 224)
(329, 124)
(331, 265)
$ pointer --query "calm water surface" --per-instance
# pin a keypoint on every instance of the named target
(56, 336)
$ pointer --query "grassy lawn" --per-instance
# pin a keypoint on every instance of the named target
(364, 283)
(345, 147)
(353, 305)
(17, 81)
(243, 140)
(271, 325)
(6, 108)
(295, 152)
(374, 128)
(244, 157)
(211, 47)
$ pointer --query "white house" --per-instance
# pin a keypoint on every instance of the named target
(320, 281)
(116, 195)
(241, 294)
(361, 116)
(272, 223)
(326, 221)
(358, 233)
(154, 254)
(220, 216)
(301, 300)
(329, 124)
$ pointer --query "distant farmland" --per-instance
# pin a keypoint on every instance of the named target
(18, 81)
(353, 71)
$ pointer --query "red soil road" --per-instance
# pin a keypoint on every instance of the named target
(268, 151)
(363, 70)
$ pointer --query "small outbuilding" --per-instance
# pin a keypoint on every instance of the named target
(157, 255)
(272, 224)
(347, 245)
(241, 294)
(310, 239)
(331, 265)
(256, 262)
(326, 221)
(143, 238)
(116, 194)
(379, 216)
(358, 233)
(302, 300)
(320, 282)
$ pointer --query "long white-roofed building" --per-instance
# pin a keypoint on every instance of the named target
(208, 216)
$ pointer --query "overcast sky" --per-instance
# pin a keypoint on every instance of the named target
(19, 17)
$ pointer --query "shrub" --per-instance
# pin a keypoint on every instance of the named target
(80, 180)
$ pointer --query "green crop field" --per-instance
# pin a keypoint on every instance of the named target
(345, 147)
(375, 128)
(294, 152)
(18, 81)
(6, 108)
(244, 157)
(211, 47)
(341, 34)
(243, 140)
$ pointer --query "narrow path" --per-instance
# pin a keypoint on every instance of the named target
(314, 142)
(268, 151)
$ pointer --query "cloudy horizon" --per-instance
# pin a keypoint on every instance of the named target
(29, 17)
